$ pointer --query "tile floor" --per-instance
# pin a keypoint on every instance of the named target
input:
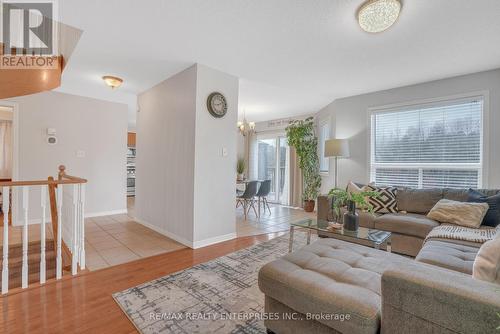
(278, 220)
(117, 239)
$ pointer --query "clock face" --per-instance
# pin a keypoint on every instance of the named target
(217, 105)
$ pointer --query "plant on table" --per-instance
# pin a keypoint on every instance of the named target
(301, 136)
(240, 168)
(341, 197)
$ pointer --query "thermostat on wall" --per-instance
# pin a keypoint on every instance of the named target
(51, 140)
(51, 136)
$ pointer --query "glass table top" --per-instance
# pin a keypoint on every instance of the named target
(363, 233)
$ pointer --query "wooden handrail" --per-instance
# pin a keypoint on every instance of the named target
(63, 179)
(63, 175)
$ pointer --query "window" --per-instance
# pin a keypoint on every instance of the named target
(324, 135)
(430, 146)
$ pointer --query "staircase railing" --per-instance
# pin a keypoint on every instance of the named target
(67, 220)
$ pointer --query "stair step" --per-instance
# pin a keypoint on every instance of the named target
(32, 259)
(33, 248)
(16, 281)
(16, 263)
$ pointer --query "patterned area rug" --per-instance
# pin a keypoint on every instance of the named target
(220, 296)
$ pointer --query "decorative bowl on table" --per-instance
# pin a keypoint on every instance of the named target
(334, 226)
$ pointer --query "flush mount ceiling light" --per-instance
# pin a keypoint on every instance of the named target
(111, 81)
(378, 15)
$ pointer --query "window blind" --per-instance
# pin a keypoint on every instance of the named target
(428, 146)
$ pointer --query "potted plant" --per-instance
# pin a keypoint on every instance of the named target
(301, 136)
(240, 168)
(341, 198)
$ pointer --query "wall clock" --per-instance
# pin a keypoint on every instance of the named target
(217, 105)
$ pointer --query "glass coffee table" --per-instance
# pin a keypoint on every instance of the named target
(364, 236)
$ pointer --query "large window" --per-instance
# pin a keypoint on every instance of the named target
(429, 146)
(324, 135)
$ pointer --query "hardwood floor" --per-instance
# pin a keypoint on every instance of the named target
(84, 304)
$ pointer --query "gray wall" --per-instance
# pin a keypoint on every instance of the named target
(97, 127)
(349, 119)
(215, 174)
(184, 184)
(165, 156)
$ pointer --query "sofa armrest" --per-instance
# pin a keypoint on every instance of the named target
(420, 298)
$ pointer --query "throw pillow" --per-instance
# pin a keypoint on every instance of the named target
(486, 266)
(385, 202)
(354, 188)
(492, 217)
(459, 213)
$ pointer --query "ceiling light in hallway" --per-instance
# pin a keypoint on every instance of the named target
(111, 81)
(378, 15)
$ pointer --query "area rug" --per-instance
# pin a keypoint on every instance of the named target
(220, 296)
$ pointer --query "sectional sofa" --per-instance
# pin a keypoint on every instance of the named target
(383, 292)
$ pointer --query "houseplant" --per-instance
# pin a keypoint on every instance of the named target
(341, 198)
(301, 136)
(240, 168)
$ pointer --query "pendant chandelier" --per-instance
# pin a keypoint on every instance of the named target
(245, 127)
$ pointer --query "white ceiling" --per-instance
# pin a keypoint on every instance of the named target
(293, 56)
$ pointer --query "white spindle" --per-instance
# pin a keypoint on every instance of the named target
(43, 203)
(59, 231)
(82, 226)
(24, 283)
(5, 267)
(74, 238)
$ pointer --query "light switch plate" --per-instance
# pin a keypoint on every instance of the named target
(80, 154)
(224, 151)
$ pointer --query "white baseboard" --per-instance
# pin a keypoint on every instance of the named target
(214, 240)
(185, 242)
(36, 221)
(166, 233)
(106, 213)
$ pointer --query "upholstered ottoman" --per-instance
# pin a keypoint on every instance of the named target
(330, 286)
(449, 255)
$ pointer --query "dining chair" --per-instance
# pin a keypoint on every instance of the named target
(264, 190)
(247, 199)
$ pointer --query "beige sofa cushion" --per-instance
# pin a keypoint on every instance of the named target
(331, 276)
(448, 255)
(418, 200)
(459, 213)
(487, 263)
(406, 223)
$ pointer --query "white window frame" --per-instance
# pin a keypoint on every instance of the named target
(321, 145)
(483, 166)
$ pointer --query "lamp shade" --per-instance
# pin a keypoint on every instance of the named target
(337, 148)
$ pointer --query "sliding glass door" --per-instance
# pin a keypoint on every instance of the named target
(272, 164)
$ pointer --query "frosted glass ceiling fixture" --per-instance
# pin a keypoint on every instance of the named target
(112, 81)
(378, 15)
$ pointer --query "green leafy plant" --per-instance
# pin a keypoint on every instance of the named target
(240, 166)
(498, 315)
(340, 197)
(301, 136)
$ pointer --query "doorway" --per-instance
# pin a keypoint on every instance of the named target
(8, 153)
(273, 164)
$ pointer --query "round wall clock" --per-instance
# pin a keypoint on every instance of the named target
(217, 105)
